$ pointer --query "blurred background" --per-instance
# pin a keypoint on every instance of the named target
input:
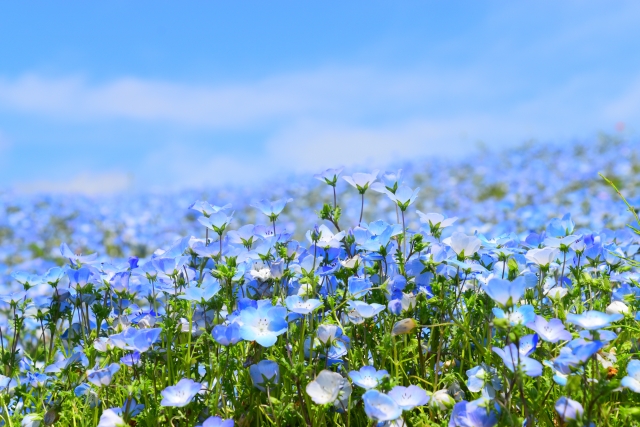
(110, 97)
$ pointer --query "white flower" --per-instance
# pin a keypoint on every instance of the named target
(111, 418)
(326, 387)
(617, 307)
(441, 400)
(263, 274)
(544, 256)
(461, 243)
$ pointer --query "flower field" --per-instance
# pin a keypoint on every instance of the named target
(495, 289)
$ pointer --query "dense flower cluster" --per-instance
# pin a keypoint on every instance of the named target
(412, 319)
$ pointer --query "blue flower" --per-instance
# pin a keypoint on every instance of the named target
(329, 176)
(360, 310)
(602, 335)
(504, 292)
(206, 209)
(484, 378)
(131, 359)
(170, 265)
(263, 324)
(559, 377)
(328, 333)
(380, 407)
(205, 292)
(403, 196)
(561, 227)
(551, 331)
(227, 334)
(298, 305)
(217, 222)
(514, 360)
(265, 373)
(102, 377)
(520, 316)
(368, 377)
(361, 181)
(436, 220)
(271, 209)
(78, 278)
(528, 344)
(478, 413)
(568, 409)
(632, 380)
(217, 422)
(408, 398)
(593, 319)
(575, 353)
(136, 339)
(390, 182)
(359, 286)
(181, 394)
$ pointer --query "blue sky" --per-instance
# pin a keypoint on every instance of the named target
(110, 96)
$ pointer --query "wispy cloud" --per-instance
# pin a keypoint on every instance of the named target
(90, 183)
(323, 91)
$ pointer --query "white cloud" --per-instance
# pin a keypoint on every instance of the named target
(347, 91)
(89, 183)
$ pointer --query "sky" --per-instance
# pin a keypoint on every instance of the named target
(104, 97)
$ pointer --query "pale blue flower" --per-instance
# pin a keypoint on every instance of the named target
(227, 334)
(505, 292)
(551, 331)
(436, 219)
(484, 378)
(328, 333)
(299, 305)
(360, 310)
(206, 209)
(329, 176)
(271, 209)
(217, 222)
(632, 380)
(207, 290)
(217, 422)
(359, 286)
(181, 394)
(136, 339)
(361, 181)
(408, 398)
(514, 360)
(478, 413)
(263, 324)
(380, 407)
(568, 409)
(131, 359)
(593, 319)
(403, 196)
(368, 377)
(518, 316)
(528, 344)
(102, 377)
(265, 373)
